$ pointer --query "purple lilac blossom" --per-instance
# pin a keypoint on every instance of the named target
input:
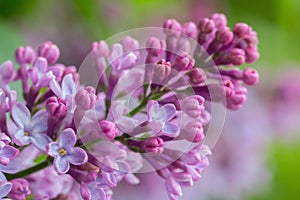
(65, 153)
(30, 130)
(150, 98)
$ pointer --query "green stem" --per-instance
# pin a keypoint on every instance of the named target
(29, 171)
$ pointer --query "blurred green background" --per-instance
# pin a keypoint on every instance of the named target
(74, 24)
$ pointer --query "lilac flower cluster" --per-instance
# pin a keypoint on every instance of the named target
(97, 136)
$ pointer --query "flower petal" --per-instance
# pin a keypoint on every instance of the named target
(61, 165)
(41, 65)
(67, 138)
(21, 137)
(77, 157)
(126, 124)
(5, 188)
(152, 108)
(40, 141)
(170, 111)
(170, 130)
(9, 152)
(55, 87)
(52, 149)
(39, 122)
(20, 115)
(68, 85)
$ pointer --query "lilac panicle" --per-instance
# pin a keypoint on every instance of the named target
(30, 130)
(132, 110)
(65, 153)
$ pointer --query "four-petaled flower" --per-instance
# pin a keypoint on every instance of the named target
(159, 118)
(30, 130)
(65, 153)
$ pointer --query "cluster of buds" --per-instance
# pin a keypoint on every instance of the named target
(127, 122)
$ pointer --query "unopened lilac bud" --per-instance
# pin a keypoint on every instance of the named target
(197, 75)
(172, 28)
(224, 35)
(71, 70)
(49, 51)
(7, 71)
(227, 87)
(206, 26)
(183, 62)
(189, 29)
(250, 76)
(25, 55)
(153, 145)
(20, 189)
(252, 40)
(241, 30)
(173, 188)
(56, 107)
(193, 131)
(129, 44)
(109, 129)
(86, 98)
(162, 69)
(219, 19)
(193, 105)
(236, 56)
(251, 55)
(100, 48)
(155, 46)
(237, 99)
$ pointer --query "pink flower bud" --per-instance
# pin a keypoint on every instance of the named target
(25, 55)
(193, 132)
(100, 48)
(236, 56)
(86, 98)
(155, 46)
(193, 105)
(183, 62)
(56, 107)
(49, 51)
(238, 98)
(129, 44)
(71, 70)
(251, 55)
(227, 87)
(7, 71)
(172, 28)
(109, 129)
(162, 69)
(153, 145)
(20, 189)
(250, 76)
(189, 29)
(224, 35)
(219, 20)
(206, 26)
(241, 30)
(197, 75)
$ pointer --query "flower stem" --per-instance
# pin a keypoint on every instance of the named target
(29, 171)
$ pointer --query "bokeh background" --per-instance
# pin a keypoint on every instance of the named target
(257, 159)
